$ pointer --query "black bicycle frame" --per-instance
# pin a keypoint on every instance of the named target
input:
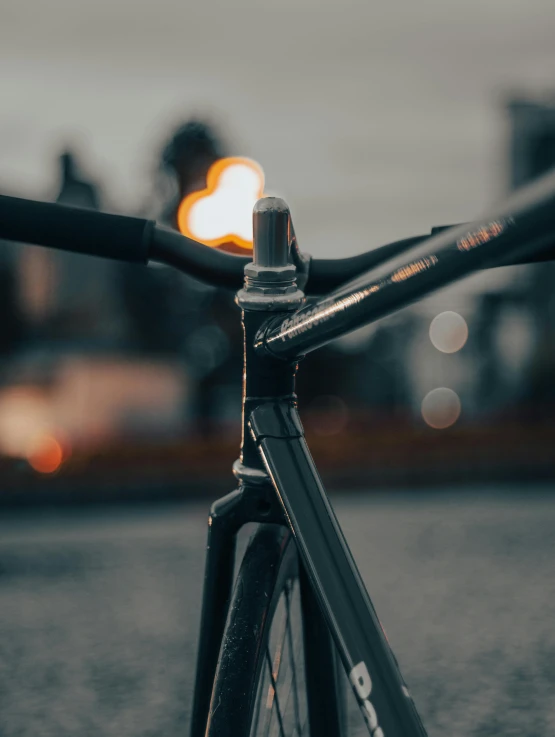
(255, 500)
(382, 694)
(524, 226)
(278, 481)
(274, 447)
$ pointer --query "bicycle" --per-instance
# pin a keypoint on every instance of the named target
(298, 562)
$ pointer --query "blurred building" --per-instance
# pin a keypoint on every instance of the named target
(70, 368)
(67, 298)
(103, 351)
(507, 364)
(516, 325)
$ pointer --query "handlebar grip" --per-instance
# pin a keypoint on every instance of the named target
(75, 229)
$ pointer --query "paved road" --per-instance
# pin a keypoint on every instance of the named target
(99, 612)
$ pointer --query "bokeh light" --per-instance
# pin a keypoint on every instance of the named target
(222, 213)
(24, 415)
(448, 332)
(441, 408)
(46, 455)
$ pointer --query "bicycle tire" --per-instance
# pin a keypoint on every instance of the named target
(241, 706)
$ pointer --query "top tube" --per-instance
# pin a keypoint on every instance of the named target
(525, 225)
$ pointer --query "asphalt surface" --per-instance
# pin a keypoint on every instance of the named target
(99, 611)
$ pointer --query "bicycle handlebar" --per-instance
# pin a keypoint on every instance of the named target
(75, 229)
(136, 240)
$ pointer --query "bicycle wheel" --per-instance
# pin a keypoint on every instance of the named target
(265, 684)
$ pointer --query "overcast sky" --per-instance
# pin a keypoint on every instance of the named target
(375, 120)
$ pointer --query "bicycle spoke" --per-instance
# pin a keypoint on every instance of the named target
(254, 731)
(274, 668)
(278, 713)
(276, 698)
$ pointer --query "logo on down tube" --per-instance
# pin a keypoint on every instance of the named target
(362, 685)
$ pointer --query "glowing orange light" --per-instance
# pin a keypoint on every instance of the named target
(222, 213)
(46, 456)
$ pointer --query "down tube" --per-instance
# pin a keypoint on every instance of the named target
(372, 668)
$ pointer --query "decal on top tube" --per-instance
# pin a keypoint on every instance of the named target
(483, 235)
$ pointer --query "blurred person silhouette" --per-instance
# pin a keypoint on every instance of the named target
(187, 157)
(190, 319)
(182, 166)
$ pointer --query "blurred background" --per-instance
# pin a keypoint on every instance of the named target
(374, 124)
(122, 384)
